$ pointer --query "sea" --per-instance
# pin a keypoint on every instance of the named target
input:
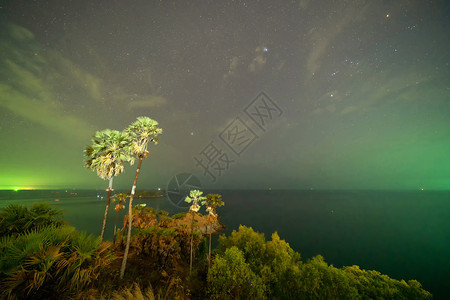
(403, 234)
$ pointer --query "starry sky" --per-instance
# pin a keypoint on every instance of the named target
(250, 94)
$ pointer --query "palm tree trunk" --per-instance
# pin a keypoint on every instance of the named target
(115, 223)
(210, 232)
(192, 240)
(108, 201)
(130, 217)
(209, 253)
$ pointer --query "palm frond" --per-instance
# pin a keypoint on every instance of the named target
(143, 131)
(109, 150)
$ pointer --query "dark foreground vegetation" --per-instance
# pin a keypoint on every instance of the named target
(43, 258)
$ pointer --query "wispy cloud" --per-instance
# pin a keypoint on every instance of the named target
(322, 36)
(145, 101)
(29, 80)
(259, 60)
(232, 69)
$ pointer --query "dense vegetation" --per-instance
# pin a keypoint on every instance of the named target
(52, 260)
(247, 266)
(17, 219)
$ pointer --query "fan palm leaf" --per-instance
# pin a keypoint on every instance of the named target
(109, 151)
(49, 260)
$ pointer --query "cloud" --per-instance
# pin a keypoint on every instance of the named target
(260, 59)
(349, 109)
(90, 84)
(257, 63)
(303, 4)
(30, 81)
(322, 36)
(145, 101)
(386, 87)
(232, 69)
(393, 85)
(19, 33)
(43, 113)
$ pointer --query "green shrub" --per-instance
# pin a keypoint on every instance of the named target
(50, 262)
(230, 277)
(17, 219)
(285, 276)
(372, 284)
(159, 244)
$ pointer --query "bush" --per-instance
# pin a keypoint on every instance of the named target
(50, 262)
(17, 219)
(284, 276)
(162, 239)
(372, 284)
(230, 277)
(159, 244)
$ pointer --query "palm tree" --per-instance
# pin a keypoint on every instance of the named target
(106, 156)
(141, 132)
(197, 201)
(212, 202)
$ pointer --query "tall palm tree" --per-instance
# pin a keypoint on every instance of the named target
(106, 156)
(212, 202)
(197, 201)
(141, 132)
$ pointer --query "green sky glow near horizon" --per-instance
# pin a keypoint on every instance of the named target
(365, 96)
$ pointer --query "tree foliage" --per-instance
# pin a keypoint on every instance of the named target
(107, 154)
(109, 151)
(141, 132)
(230, 277)
(285, 276)
(162, 239)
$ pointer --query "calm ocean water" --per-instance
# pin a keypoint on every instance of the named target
(405, 235)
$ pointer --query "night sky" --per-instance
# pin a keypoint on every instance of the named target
(250, 94)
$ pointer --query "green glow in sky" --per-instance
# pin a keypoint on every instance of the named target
(365, 98)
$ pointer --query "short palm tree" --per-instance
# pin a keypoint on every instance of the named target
(122, 198)
(197, 200)
(141, 132)
(107, 154)
(212, 202)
